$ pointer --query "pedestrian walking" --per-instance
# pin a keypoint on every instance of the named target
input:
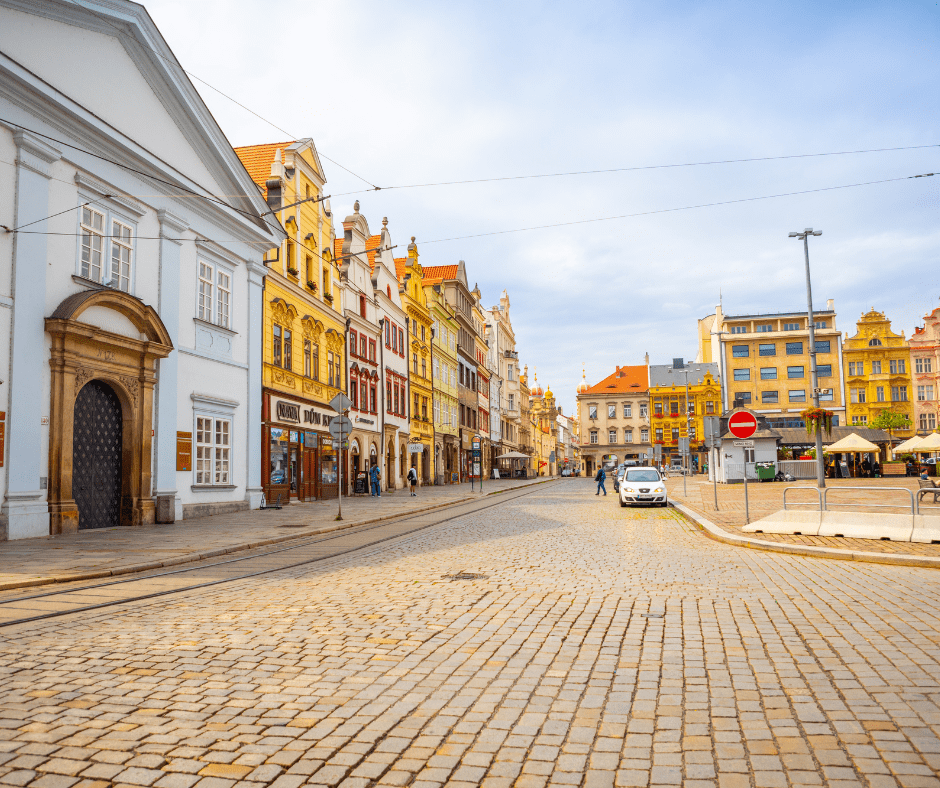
(413, 480)
(601, 476)
(376, 476)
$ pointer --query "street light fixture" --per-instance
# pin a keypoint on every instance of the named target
(804, 237)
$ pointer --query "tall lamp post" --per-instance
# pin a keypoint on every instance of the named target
(804, 237)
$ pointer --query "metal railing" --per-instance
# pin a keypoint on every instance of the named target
(935, 491)
(798, 469)
(818, 502)
(823, 501)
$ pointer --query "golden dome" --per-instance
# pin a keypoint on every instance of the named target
(583, 385)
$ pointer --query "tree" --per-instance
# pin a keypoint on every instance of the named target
(888, 420)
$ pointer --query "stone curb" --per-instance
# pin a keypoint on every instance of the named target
(717, 533)
(237, 548)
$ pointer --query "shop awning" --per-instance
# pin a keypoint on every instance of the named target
(512, 455)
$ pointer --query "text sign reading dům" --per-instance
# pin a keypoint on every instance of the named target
(742, 424)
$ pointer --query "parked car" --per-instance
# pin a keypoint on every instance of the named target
(643, 486)
(618, 475)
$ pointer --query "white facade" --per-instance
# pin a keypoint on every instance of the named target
(393, 360)
(81, 305)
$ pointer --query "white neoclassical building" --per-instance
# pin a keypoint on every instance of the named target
(131, 280)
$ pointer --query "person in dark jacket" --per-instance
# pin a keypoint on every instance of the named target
(601, 476)
(375, 477)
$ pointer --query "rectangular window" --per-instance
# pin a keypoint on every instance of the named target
(738, 329)
(329, 369)
(593, 436)
(388, 340)
(611, 411)
(362, 308)
(388, 396)
(121, 248)
(824, 370)
(823, 346)
(709, 408)
(795, 372)
(628, 436)
(923, 365)
(644, 410)
(791, 326)
(828, 398)
(798, 395)
(205, 291)
(627, 410)
(794, 348)
(373, 400)
(769, 397)
(898, 366)
(354, 394)
(674, 407)
(353, 343)
(644, 435)
(875, 367)
(899, 393)
(315, 363)
(277, 346)
(856, 395)
(928, 421)
(658, 408)
(401, 342)
(856, 367)
(362, 345)
(213, 447)
(765, 328)
(308, 361)
(223, 299)
(740, 351)
(612, 436)
(424, 368)
(675, 434)
(659, 434)
(414, 362)
(92, 243)
(397, 402)
(767, 350)
(288, 348)
(742, 374)
(880, 393)
(768, 373)
(743, 396)
(820, 324)
(925, 393)
(372, 350)
(512, 406)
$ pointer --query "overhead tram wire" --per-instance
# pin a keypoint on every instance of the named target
(680, 208)
(273, 125)
(600, 218)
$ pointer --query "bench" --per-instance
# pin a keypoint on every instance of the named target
(927, 484)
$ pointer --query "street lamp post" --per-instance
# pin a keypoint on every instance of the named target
(804, 237)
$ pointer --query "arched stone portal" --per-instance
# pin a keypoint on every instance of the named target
(118, 345)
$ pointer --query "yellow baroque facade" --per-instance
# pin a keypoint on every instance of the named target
(303, 333)
(877, 364)
(421, 395)
(669, 407)
(446, 431)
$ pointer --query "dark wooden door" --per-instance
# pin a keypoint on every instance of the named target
(96, 456)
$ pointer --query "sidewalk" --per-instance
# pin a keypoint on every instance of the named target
(113, 551)
(767, 497)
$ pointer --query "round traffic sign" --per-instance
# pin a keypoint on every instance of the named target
(742, 424)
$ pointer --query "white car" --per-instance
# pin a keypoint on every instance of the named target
(642, 485)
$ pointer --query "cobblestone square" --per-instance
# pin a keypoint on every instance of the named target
(589, 645)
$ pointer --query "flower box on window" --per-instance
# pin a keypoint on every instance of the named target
(328, 297)
(312, 285)
(292, 271)
(657, 415)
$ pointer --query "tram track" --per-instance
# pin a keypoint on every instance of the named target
(69, 601)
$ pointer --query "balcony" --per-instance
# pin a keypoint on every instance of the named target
(513, 354)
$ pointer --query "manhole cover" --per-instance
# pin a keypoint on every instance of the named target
(465, 576)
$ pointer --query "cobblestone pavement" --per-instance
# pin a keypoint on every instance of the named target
(32, 561)
(767, 498)
(555, 640)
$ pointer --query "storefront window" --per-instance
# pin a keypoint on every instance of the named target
(279, 445)
(328, 463)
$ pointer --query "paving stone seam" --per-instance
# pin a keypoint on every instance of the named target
(717, 533)
(201, 556)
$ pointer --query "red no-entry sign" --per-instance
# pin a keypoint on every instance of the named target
(742, 424)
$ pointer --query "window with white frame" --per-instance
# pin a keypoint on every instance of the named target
(213, 450)
(923, 365)
(928, 421)
(627, 410)
(612, 436)
(593, 436)
(95, 227)
(628, 436)
(644, 435)
(214, 294)
(924, 393)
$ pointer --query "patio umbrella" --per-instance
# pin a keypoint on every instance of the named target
(909, 445)
(851, 444)
(512, 455)
(930, 443)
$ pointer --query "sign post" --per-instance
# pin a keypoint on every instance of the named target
(712, 429)
(743, 424)
(477, 463)
(340, 403)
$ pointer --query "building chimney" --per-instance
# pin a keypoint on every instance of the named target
(830, 305)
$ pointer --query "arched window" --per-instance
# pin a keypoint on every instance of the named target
(874, 342)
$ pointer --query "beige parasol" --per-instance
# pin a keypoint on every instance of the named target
(851, 444)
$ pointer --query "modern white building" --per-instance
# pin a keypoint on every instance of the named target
(131, 268)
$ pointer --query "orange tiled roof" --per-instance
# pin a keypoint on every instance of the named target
(435, 274)
(401, 263)
(257, 160)
(622, 381)
(338, 251)
(373, 243)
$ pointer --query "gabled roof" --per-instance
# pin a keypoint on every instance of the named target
(435, 274)
(257, 160)
(624, 380)
(373, 242)
(401, 266)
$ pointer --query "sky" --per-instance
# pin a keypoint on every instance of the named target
(418, 92)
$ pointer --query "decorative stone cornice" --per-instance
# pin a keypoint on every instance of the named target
(34, 153)
(91, 184)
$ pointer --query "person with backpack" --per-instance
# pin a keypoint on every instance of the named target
(601, 476)
(375, 475)
(413, 479)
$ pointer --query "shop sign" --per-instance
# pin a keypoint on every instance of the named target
(415, 448)
(184, 451)
(289, 412)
